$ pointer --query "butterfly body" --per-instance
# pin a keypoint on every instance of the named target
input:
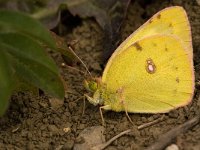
(104, 97)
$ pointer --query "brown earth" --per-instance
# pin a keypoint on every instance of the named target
(34, 122)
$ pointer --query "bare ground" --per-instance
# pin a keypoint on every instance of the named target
(34, 122)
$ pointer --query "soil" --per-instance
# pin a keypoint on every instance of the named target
(38, 122)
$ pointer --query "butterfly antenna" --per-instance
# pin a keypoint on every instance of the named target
(72, 68)
(70, 48)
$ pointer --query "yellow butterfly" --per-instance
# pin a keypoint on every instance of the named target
(152, 70)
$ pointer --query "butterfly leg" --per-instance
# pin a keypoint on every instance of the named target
(125, 109)
(128, 115)
(90, 99)
(122, 101)
(82, 97)
(107, 107)
(83, 111)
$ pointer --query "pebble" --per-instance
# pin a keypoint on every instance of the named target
(53, 128)
(172, 147)
(68, 145)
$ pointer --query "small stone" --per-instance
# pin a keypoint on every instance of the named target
(81, 126)
(173, 114)
(72, 105)
(66, 130)
(24, 133)
(30, 146)
(177, 2)
(35, 105)
(53, 129)
(111, 148)
(96, 66)
(198, 2)
(45, 120)
(56, 103)
(87, 35)
(143, 119)
(67, 114)
(172, 147)
(90, 137)
(29, 135)
(68, 145)
(88, 48)
(44, 105)
(43, 127)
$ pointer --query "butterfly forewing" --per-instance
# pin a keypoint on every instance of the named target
(169, 21)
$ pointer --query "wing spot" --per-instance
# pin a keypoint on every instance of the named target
(137, 46)
(177, 80)
(150, 66)
(166, 49)
(154, 44)
(116, 81)
(170, 25)
(175, 68)
(175, 91)
(158, 16)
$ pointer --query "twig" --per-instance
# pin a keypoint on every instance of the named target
(167, 138)
(45, 13)
(150, 123)
(104, 145)
(16, 129)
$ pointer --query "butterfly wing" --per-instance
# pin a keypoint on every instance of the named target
(171, 21)
(155, 75)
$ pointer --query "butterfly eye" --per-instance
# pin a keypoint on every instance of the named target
(90, 85)
(93, 85)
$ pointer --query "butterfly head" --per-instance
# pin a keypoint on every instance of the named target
(92, 84)
(95, 86)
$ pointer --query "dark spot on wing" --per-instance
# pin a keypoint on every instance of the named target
(175, 92)
(174, 68)
(137, 46)
(177, 80)
(170, 25)
(159, 16)
(154, 44)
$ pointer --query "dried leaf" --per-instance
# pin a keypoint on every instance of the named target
(62, 47)
(108, 13)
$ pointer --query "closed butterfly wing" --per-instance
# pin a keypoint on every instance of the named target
(155, 75)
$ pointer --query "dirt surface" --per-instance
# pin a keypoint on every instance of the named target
(34, 122)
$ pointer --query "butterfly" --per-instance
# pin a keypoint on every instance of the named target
(152, 70)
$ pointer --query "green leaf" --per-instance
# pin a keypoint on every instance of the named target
(32, 63)
(22, 85)
(63, 48)
(40, 76)
(24, 47)
(6, 85)
(12, 21)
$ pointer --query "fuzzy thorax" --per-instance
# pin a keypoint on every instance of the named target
(109, 100)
